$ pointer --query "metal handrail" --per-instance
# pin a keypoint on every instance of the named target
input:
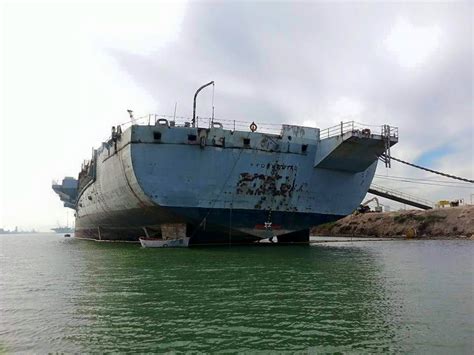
(402, 195)
(269, 128)
(205, 122)
(352, 126)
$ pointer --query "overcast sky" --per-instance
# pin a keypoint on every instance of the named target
(70, 70)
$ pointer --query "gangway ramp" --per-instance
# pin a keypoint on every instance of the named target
(400, 197)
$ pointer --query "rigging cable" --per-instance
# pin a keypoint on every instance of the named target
(427, 183)
(427, 179)
(424, 181)
(433, 171)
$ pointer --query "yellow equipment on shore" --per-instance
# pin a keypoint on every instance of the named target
(446, 203)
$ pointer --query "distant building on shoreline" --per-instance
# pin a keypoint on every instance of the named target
(16, 231)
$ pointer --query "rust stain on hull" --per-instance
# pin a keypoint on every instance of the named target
(275, 186)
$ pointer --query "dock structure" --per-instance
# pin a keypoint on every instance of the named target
(400, 197)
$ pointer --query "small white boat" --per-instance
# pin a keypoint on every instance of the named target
(164, 243)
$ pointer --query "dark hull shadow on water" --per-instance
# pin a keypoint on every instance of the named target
(70, 295)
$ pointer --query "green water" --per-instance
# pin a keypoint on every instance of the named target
(64, 295)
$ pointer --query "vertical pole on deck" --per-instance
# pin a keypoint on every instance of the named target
(194, 102)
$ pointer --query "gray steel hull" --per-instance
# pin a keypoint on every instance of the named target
(221, 193)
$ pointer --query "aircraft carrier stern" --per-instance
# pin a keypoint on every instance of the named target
(232, 185)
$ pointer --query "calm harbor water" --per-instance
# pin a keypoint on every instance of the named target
(65, 295)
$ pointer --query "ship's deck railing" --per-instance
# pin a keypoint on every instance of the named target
(205, 122)
(269, 128)
(352, 126)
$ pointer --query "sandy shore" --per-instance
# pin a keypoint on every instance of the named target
(452, 222)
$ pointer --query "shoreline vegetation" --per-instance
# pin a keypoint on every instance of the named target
(441, 223)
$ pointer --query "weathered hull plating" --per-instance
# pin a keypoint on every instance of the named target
(224, 188)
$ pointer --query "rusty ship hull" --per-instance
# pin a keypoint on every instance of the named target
(224, 186)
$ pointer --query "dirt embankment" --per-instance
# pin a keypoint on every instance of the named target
(453, 222)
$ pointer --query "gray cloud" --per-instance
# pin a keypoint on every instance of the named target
(284, 62)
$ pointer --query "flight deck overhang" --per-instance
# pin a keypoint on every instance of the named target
(354, 150)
